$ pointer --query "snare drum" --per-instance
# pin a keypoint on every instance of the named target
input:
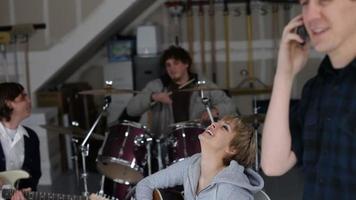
(124, 152)
(183, 140)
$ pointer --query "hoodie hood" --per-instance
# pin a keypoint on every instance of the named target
(234, 174)
(240, 176)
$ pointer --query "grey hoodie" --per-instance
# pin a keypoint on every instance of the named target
(162, 114)
(233, 182)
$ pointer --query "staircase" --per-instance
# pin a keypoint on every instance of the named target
(76, 30)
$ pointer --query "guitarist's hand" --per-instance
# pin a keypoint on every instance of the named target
(18, 195)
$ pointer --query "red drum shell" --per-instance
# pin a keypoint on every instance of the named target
(123, 153)
(183, 141)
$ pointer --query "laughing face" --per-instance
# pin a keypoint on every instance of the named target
(218, 136)
(331, 24)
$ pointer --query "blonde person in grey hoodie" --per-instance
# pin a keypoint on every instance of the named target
(221, 171)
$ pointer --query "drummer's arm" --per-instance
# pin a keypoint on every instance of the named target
(142, 101)
(168, 177)
(222, 103)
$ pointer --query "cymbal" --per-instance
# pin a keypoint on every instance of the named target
(75, 131)
(253, 118)
(247, 91)
(233, 91)
(200, 87)
(107, 91)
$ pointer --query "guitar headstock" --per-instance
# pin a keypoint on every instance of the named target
(11, 176)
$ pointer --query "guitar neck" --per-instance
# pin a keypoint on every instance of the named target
(7, 194)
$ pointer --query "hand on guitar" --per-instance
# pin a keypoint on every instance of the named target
(9, 178)
(18, 195)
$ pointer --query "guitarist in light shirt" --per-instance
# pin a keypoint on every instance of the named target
(19, 144)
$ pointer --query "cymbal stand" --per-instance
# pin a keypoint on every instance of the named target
(256, 125)
(75, 158)
(159, 152)
(102, 182)
(85, 148)
(148, 147)
(130, 193)
(206, 101)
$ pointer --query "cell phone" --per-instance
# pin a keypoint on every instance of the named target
(302, 32)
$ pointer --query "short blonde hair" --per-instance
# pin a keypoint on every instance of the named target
(244, 142)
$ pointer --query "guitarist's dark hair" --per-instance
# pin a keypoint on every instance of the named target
(8, 92)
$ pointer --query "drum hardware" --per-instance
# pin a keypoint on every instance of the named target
(159, 152)
(74, 157)
(232, 91)
(124, 142)
(102, 181)
(148, 147)
(130, 193)
(141, 140)
(200, 87)
(255, 125)
(184, 144)
(72, 130)
(205, 101)
(108, 92)
(84, 148)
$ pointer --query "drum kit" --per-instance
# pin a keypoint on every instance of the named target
(129, 148)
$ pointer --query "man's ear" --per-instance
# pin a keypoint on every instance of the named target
(8, 104)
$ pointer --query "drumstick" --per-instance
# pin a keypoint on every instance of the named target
(180, 87)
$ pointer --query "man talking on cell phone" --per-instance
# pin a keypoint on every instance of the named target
(320, 134)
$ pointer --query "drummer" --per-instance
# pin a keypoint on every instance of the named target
(168, 106)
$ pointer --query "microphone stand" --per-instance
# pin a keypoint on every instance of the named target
(85, 148)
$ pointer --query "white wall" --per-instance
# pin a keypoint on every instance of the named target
(266, 38)
(45, 63)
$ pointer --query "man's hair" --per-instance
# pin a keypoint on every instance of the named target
(8, 92)
(177, 53)
(243, 142)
